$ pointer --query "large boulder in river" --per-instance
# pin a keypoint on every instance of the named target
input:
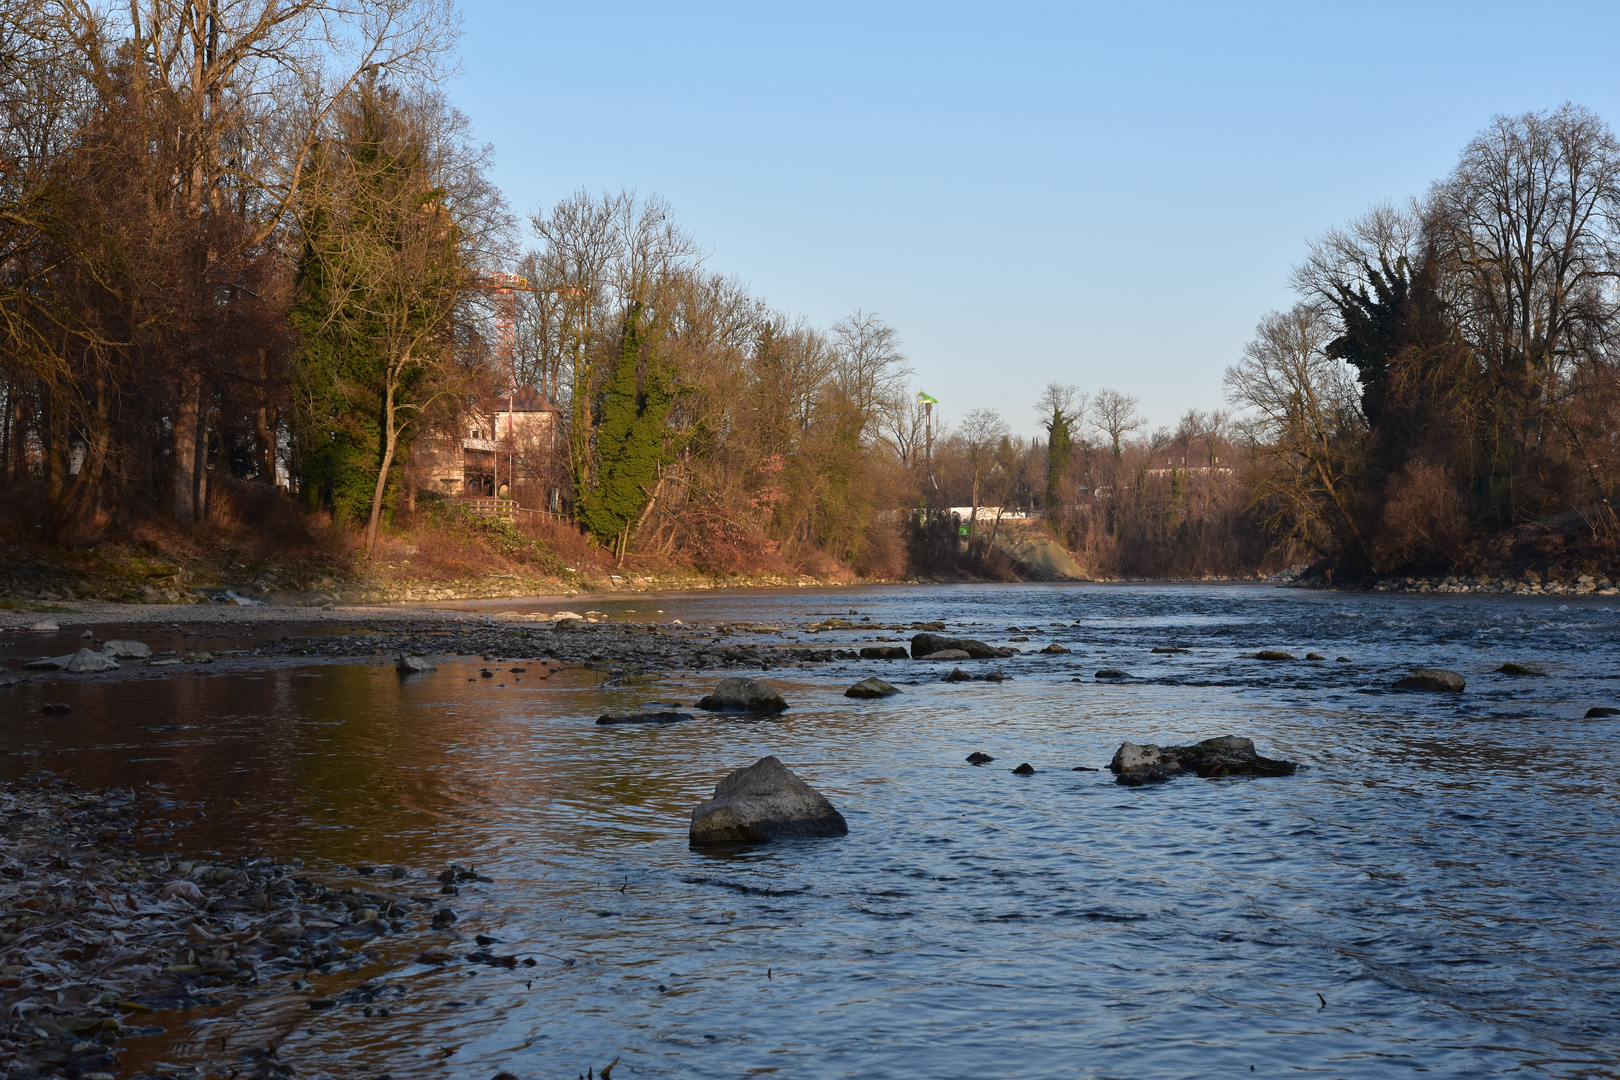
(871, 688)
(926, 645)
(85, 662)
(126, 649)
(1433, 678)
(762, 802)
(742, 695)
(412, 665)
(1225, 755)
(947, 654)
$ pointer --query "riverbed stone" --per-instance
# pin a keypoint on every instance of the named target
(873, 687)
(978, 758)
(650, 716)
(925, 646)
(45, 627)
(1443, 680)
(87, 662)
(1026, 769)
(413, 665)
(1601, 712)
(762, 802)
(1510, 668)
(884, 652)
(1224, 755)
(742, 695)
(126, 649)
(1112, 673)
(1273, 654)
(947, 654)
(1055, 648)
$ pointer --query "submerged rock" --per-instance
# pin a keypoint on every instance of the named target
(1225, 755)
(1056, 648)
(742, 695)
(884, 652)
(659, 716)
(1314, 656)
(763, 802)
(1511, 668)
(1273, 654)
(412, 665)
(1601, 712)
(947, 654)
(1026, 769)
(1440, 679)
(1112, 673)
(871, 688)
(976, 758)
(924, 646)
(126, 649)
(1169, 649)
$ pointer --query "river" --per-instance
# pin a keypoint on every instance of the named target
(1437, 890)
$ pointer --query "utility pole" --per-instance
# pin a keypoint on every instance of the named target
(928, 404)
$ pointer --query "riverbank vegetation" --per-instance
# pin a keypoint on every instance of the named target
(254, 265)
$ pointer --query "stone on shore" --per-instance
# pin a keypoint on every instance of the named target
(947, 654)
(765, 801)
(1511, 668)
(742, 695)
(126, 649)
(652, 716)
(412, 665)
(1439, 679)
(871, 688)
(1225, 755)
(924, 646)
(884, 652)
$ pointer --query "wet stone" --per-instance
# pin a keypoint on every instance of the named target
(1601, 712)
(927, 646)
(1112, 673)
(742, 695)
(873, 687)
(1441, 680)
(660, 716)
(1273, 654)
(977, 758)
(1511, 668)
(762, 802)
(1026, 769)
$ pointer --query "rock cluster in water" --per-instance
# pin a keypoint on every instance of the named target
(1225, 755)
(762, 802)
(931, 646)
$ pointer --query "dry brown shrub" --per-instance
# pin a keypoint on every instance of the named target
(882, 553)
(1424, 520)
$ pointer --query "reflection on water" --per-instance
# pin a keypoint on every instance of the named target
(1443, 873)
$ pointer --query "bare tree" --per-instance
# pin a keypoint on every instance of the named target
(871, 368)
(1304, 425)
(981, 434)
(1116, 417)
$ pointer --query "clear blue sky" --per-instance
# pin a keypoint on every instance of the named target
(1110, 195)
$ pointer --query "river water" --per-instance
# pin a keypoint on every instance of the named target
(1437, 891)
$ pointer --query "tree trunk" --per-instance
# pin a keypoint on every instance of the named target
(390, 439)
(183, 481)
(199, 494)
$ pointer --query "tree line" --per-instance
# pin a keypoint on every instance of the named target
(248, 243)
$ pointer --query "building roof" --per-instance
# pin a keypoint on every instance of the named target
(526, 400)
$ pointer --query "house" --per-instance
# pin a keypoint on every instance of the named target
(499, 447)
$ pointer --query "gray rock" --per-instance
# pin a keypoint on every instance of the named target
(1441, 679)
(660, 716)
(413, 665)
(86, 662)
(763, 802)
(742, 695)
(947, 654)
(126, 649)
(1225, 755)
(1511, 668)
(45, 627)
(49, 663)
(884, 652)
(1055, 648)
(1112, 673)
(871, 688)
(925, 645)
